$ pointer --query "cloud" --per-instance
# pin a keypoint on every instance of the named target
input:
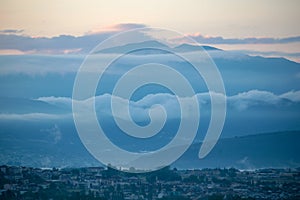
(55, 45)
(269, 53)
(243, 100)
(292, 96)
(12, 42)
(249, 98)
(63, 44)
(10, 31)
(33, 116)
(128, 26)
(118, 28)
(251, 40)
(61, 101)
(139, 109)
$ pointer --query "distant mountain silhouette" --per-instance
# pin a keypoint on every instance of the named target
(22, 105)
(38, 149)
(189, 48)
(154, 47)
(278, 149)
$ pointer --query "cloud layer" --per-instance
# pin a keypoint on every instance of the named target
(251, 40)
(240, 101)
(63, 44)
(11, 31)
(139, 109)
(11, 39)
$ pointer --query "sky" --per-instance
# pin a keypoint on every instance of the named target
(229, 19)
(232, 18)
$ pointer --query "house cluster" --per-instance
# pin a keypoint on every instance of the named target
(110, 184)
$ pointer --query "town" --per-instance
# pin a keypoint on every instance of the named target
(168, 183)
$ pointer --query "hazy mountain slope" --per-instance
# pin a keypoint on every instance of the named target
(280, 149)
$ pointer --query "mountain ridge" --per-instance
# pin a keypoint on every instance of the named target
(157, 48)
(273, 149)
(264, 150)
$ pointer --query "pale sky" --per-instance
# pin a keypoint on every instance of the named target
(226, 18)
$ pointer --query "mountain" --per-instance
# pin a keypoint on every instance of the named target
(37, 128)
(17, 105)
(45, 144)
(240, 73)
(128, 47)
(189, 48)
(153, 47)
(39, 149)
(278, 150)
